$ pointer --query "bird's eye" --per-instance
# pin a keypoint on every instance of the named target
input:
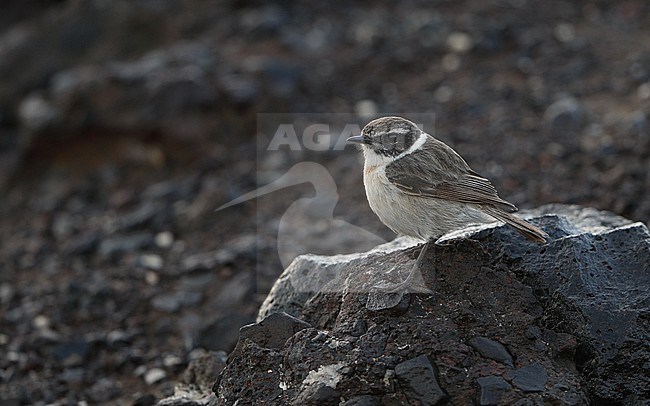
(392, 139)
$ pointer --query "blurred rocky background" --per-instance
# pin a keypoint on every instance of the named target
(124, 124)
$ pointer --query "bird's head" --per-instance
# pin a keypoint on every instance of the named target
(388, 136)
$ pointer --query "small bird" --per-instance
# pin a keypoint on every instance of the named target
(420, 187)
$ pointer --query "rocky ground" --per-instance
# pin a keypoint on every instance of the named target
(123, 125)
(508, 322)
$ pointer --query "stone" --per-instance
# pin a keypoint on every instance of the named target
(492, 349)
(273, 331)
(363, 400)
(154, 375)
(531, 378)
(318, 394)
(491, 389)
(114, 247)
(418, 377)
(309, 274)
(488, 281)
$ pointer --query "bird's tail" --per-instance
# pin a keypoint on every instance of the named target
(524, 228)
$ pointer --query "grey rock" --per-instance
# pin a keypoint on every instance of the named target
(418, 377)
(363, 400)
(317, 394)
(72, 352)
(198, 378)
(184, 397)
(359, 328)
(487, 280)
(531, 378)
(73, 376)
(114, 247)
(203, 371)
(491, 389)
(492, 349)
(309, 274)
(273, 331)
(378, 300)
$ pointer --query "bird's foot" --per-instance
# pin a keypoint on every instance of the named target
(412, 284)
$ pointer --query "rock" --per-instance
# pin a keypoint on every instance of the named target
(492, 349)
(309, 274)
(531, 378)
(273, 331)
(196, 388)
(318, 394)
(491, 389)
(203, 371)
(114, 247)
(363, 400)
(488, 282)
(418, 375)
(154, 375)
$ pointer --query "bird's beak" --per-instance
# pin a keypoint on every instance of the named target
(359, 139)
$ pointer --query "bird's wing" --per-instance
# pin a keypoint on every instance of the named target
(439, 172)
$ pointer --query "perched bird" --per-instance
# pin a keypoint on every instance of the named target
(420, 187)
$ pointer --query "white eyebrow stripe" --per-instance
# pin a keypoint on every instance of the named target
(400, 130)
(416, 145)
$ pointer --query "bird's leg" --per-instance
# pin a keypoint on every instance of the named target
(411, 283)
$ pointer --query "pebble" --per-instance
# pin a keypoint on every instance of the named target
(151, 261)
(564, 32)
(418, 377)
(491, 389)
(154, 375)
(492, 349)
(41, 321)
(459, 42)
(451, 62)
(152, 278)
(36, 113)
(7, 292)
(164, 239)
(643, 91)
(119, 245)
(531, 378)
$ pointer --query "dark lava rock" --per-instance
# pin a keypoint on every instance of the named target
(585, 290)
(418, 376)
(491, 389)
(317, 394)
(531, 378)
(363, 400)
(273, 331)
(195, 390)
(492, 349)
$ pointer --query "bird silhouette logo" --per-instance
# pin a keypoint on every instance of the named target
(308, 225)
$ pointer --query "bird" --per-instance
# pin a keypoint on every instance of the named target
(420, 187)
